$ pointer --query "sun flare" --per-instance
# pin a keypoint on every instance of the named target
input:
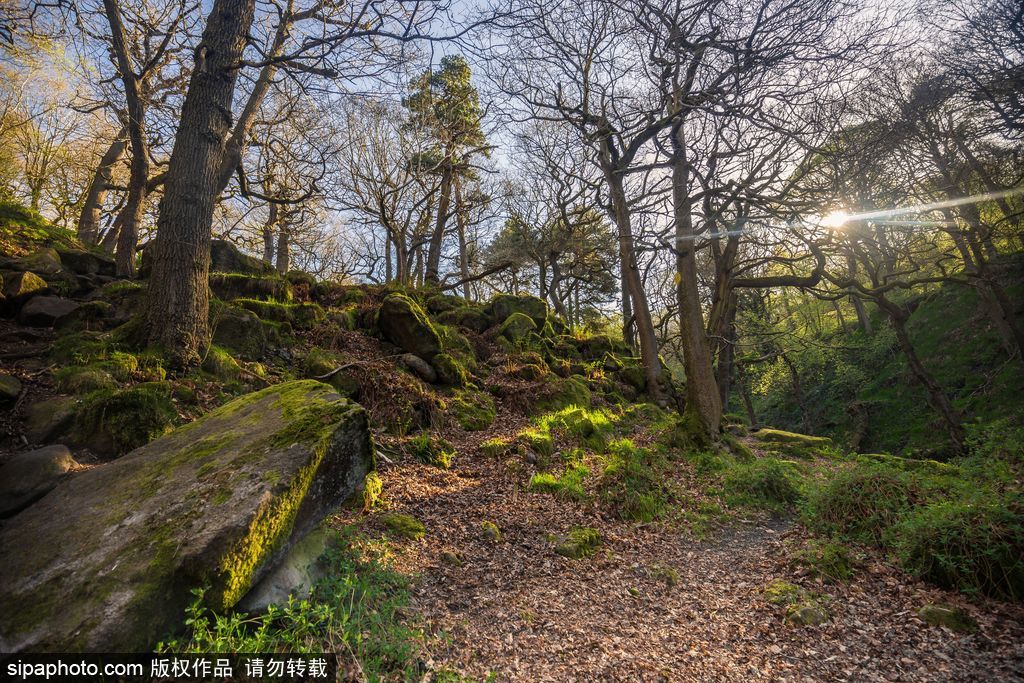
(835, 220)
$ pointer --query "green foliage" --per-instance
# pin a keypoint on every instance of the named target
(765, 482)
(357, 609)
(77, 379)
(373, 489)
(431, 450)
(567, 485)
(23, 230)
(632, 484)
(496, 447)
(974, 545)
(860, 502)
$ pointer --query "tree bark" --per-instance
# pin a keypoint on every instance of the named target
(632, 285)
(432, 276)
(89, 220)
(283, 255)
(703, 403)
(460, 223)
(179, 293)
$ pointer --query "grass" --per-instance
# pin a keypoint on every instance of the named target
(357, 610)
(567, 485)
(632, 483)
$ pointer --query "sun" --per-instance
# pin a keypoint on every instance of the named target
(835, 220)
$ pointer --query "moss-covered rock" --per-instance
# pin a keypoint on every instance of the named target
(244, 333)
(450, 371)
(562, 393)
(10, 389)
(111, 423)
(497, 447)
(229, 286)
(793, 444)
(579, 543)
(192, 508)
(491, 532)
(505, 305)
(808, 613)
(949, 616)
(474, 410)
(219, 363)
(404, 526)
(301, 316)
(404, 324)
(469, 317)
(439, 303)
(19, 286)
(81, 380)
(598, 345)
(517, 328)
(49, 420)
(27, 477)
(431, 450)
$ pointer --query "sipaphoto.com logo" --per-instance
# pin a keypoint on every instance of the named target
(70, 669)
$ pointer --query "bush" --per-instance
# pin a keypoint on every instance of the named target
(974, 545)
(766, 481)
(859, 503)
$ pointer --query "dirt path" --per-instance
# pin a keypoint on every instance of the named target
(653, 603)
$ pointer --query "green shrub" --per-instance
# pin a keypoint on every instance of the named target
(431, 450)
(631, 483)
(859, 503)
(358, 609)
(974, 545)
(763, 482)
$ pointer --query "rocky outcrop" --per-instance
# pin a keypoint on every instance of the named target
(45, 311)
(218, 503)
(505, 305)
(404, 324)
(27, 477)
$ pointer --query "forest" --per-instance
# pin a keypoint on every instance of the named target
(513, 340)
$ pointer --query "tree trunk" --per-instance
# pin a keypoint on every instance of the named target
(283, 256)
(858, 306)
(89, 220)
(632, 285)
(703, 402)
(460, 222)
(387, 258)
(748, 403)
(798, 393)
(936, 396)
(268, 234)
(432, 276)
(179, 293)
(128, 238)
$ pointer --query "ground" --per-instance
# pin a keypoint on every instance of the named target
(654, 603)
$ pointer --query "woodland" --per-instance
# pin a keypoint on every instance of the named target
(526, 340)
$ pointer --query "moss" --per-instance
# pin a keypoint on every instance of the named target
(631, 483)
(404, 526)
(933, 467)
(949, 616)
(567, 485)
(579, 543)
(228, 286)
(83, 380)
(517, 327)
(496, 448)
(474, 410)
(738, 449)
(561, 393)
(79, 349)
(807, 613)
(116, 422)
(302, 316)
(765, 482)
(222, 496)
(780, 592)
(219, 363)
(830, 561)
(491, 531)
(539, 441)
(793, 444)
(373, 489)
(431, 450)
(450, 371)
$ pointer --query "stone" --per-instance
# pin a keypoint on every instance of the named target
(504, 305)
(949, 616)
(83, 262)
(595, 347)
(230, 286)
(219, 502)
(295, 575)
(226, 258)
(27, 477)
(404, 324)
(243, 333)
(44, 261)
(439, 303)
(806, 614)
(10, 389)
(20, 286)
(47, 421)
(517, 327)
(45, 311)
(91, 316)
(419, 367)
(468, 317)
(450, 371)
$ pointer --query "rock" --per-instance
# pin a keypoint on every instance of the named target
(419, 367)
(295, 575)
(48, 420)
(468, 317)
(793, 444)
(84, 262)
(111, 423)
(21, 286)
(27, 477)
(45, 261)
(440, 303)
(404, 526)
(230, 286)
(450, 371)
(128, 299)
(218, 502)
(491, 532)
(45, 311)
(10, 389)
(404, 324)
(226, 258)
(580, 542)
(516, 327)
(949, 616)
(504, 305)
(599, 345)
(91, 316)
(806, 614)
(634, 376)
(561, 393)
(244, 333)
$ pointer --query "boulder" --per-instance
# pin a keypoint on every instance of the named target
(45, 311)
(949, 616)
(10, 389)
(48, 420)
(504, 305)
(45, 261)
(243, 333)
(404, 324)
(419, 367)
(83, 262)
(295, 575)
(27, 477)
(517, 327)
(595, 347)
(218, 502)
(468, 317)
(226, 258)
(806, 614)
(23, 285)
(229, 286)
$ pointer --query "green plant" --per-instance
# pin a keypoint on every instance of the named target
(431, 450)
(827, 560)
(405, 526)
(357, 609)
(580, 542)
(764, 482)
(631, 483)
(567, 485)
(859, 503)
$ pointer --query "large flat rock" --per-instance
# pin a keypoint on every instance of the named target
(106, 561)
